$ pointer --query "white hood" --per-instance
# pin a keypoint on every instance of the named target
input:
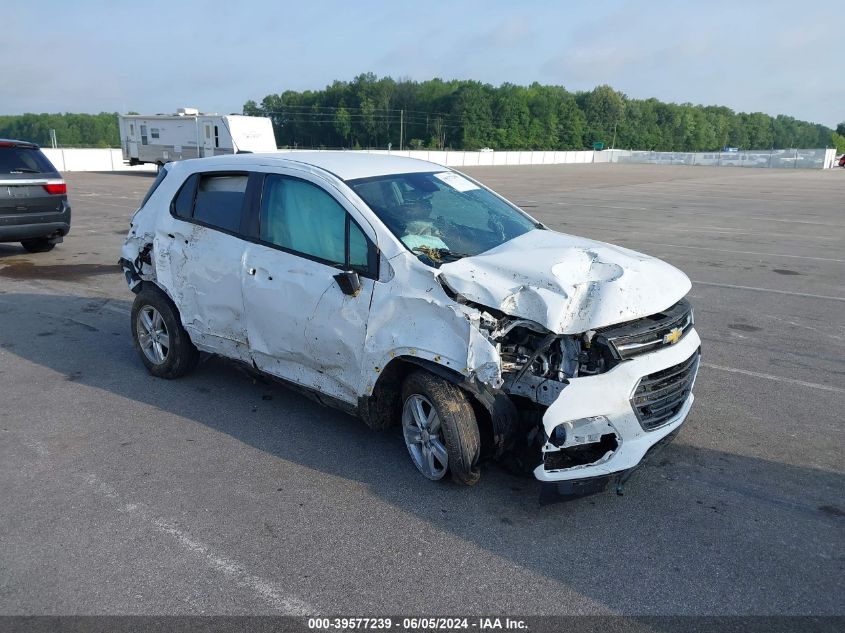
(565, 283)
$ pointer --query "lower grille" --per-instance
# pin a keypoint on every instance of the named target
(660, 396)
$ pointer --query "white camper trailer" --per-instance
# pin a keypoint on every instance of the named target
(162, 138)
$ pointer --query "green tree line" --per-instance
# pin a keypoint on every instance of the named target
(72, 130)
(374, 112)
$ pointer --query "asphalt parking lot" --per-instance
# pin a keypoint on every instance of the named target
(121, 493)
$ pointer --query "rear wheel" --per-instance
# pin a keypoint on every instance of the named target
(40, 245)
(162, 343)
(440, 429)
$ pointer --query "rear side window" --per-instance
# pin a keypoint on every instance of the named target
(220, 199)
(24, 160)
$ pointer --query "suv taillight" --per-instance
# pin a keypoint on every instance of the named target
(55, 187)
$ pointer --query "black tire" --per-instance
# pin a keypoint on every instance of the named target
(40, 245)
(181, 356)
(457, 422)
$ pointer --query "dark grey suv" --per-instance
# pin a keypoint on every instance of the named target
(33, 198)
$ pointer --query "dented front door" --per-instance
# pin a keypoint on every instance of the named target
(300, 324)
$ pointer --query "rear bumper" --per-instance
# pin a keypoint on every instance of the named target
(28, 226)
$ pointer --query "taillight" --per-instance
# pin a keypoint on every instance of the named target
(55, 187)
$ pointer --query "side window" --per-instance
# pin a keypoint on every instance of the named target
(220, 200)
(183, 203)
(299, 216)
(154, 132)
(359, 252)
(216, 137)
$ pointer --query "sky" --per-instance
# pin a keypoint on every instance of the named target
(148, 56)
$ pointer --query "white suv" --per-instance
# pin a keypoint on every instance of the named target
(409, 293)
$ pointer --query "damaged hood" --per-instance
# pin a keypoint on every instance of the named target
(565, 283)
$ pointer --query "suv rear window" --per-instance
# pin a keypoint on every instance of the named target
(24, 160)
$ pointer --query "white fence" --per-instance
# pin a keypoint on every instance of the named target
(776, 158)
(481, 159)
(91, 160)
(112, 160)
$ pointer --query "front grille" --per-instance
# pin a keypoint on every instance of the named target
(650, 333)
(660, 396)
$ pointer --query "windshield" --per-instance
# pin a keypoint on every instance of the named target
(442, 216)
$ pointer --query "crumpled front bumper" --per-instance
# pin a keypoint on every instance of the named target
(609, 395)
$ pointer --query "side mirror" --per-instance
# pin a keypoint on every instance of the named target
(349, 282)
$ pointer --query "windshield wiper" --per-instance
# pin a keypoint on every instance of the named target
(446, 255)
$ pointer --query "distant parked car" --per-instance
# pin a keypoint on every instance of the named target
(841, 161)
(33, 198)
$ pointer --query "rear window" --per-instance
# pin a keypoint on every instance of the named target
(24, 160)
(219, 200)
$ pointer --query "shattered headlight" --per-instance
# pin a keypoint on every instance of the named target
(580, 431)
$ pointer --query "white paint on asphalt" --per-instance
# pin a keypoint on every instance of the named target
(791, 381)
(725, 250)
(816, 330)
(268, 591)
(779, 292)
(271, 594)
(39, 447)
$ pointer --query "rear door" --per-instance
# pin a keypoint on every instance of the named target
(202, 252)
(300, 324)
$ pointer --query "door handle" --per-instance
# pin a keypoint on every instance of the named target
(251, 271)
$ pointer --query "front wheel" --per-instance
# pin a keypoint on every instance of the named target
(162, 343)
(440, 429)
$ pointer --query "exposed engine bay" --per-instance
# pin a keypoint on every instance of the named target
(532, 357)
(538, 365)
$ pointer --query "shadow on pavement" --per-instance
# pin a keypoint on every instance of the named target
(725, 532)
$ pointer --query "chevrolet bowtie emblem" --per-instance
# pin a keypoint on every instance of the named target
(673, 336)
